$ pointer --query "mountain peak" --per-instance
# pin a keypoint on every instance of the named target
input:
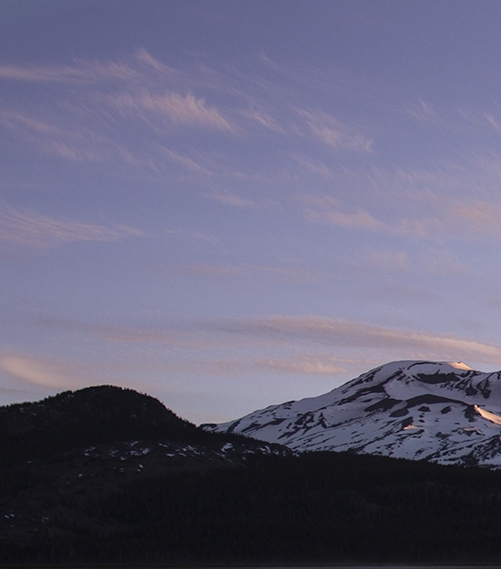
(460, 365)
(444, 412)
(421, 367)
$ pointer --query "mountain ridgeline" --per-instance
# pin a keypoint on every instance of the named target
(108, 475)
(441, 412)
(103, 416)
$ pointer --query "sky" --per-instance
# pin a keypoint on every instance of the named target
(230, 204)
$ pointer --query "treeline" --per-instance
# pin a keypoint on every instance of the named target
(313, 509)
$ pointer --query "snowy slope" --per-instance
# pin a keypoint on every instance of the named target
(437, 411)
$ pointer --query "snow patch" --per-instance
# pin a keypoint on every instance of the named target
(412, 428)
(460, 365)
(496, 419)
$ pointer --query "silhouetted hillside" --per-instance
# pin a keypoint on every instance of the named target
(125, 481)
(94, 415)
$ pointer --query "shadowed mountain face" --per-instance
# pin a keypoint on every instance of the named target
(441, 412)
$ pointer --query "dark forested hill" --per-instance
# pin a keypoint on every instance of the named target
(123, 480)
(319, 508)
(93, 415)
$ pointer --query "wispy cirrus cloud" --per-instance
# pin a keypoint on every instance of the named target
(314, 167)
(128, 334)
(82, 71)
(186, 162)
(326, 209)
(335, 133)
(99, 122)
(15, 121)
(292, 345)
(435, 261)
(447, 218)
(390, 261)
(290, 333)
(186, 110)
(264, 119)
(395, 293)
(305, 364)
(479, 217)
(42, 371)
(342, 333)
(300, 364)
(56, 373)
(248, 270)
(81, 144)
(31, 229)
(422, 111)
(231, 199)
(360, 219)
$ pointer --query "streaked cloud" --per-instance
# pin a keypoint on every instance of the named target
(300, 336)
(333, 132)
(31, 229)
(57, 374)
(231, 199)
(186, 110)
(129, 334)
(326, 209)
(329, 210)
(42, 371)
(315, 167)
(305, 365)
(422, 111)
(248, 270)
(343, 333)
(264, 119)
(15, 120)
(448, 218)
(80, 72)
(210, 144)
(395, 293)
(299, 364)
(186, 162)
(433, 261)
(440, 262)
(390, 261)
(480, 217)
(79, 144)
(360, 219)
(86, 71)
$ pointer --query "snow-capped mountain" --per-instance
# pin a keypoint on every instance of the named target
(442, 412)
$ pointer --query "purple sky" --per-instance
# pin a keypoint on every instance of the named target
(229, 204)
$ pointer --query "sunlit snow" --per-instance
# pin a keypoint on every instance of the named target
(407, 409)
(487, 415)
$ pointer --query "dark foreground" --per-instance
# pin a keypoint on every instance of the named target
(157, 566)
(109, 476)
(316, 509)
